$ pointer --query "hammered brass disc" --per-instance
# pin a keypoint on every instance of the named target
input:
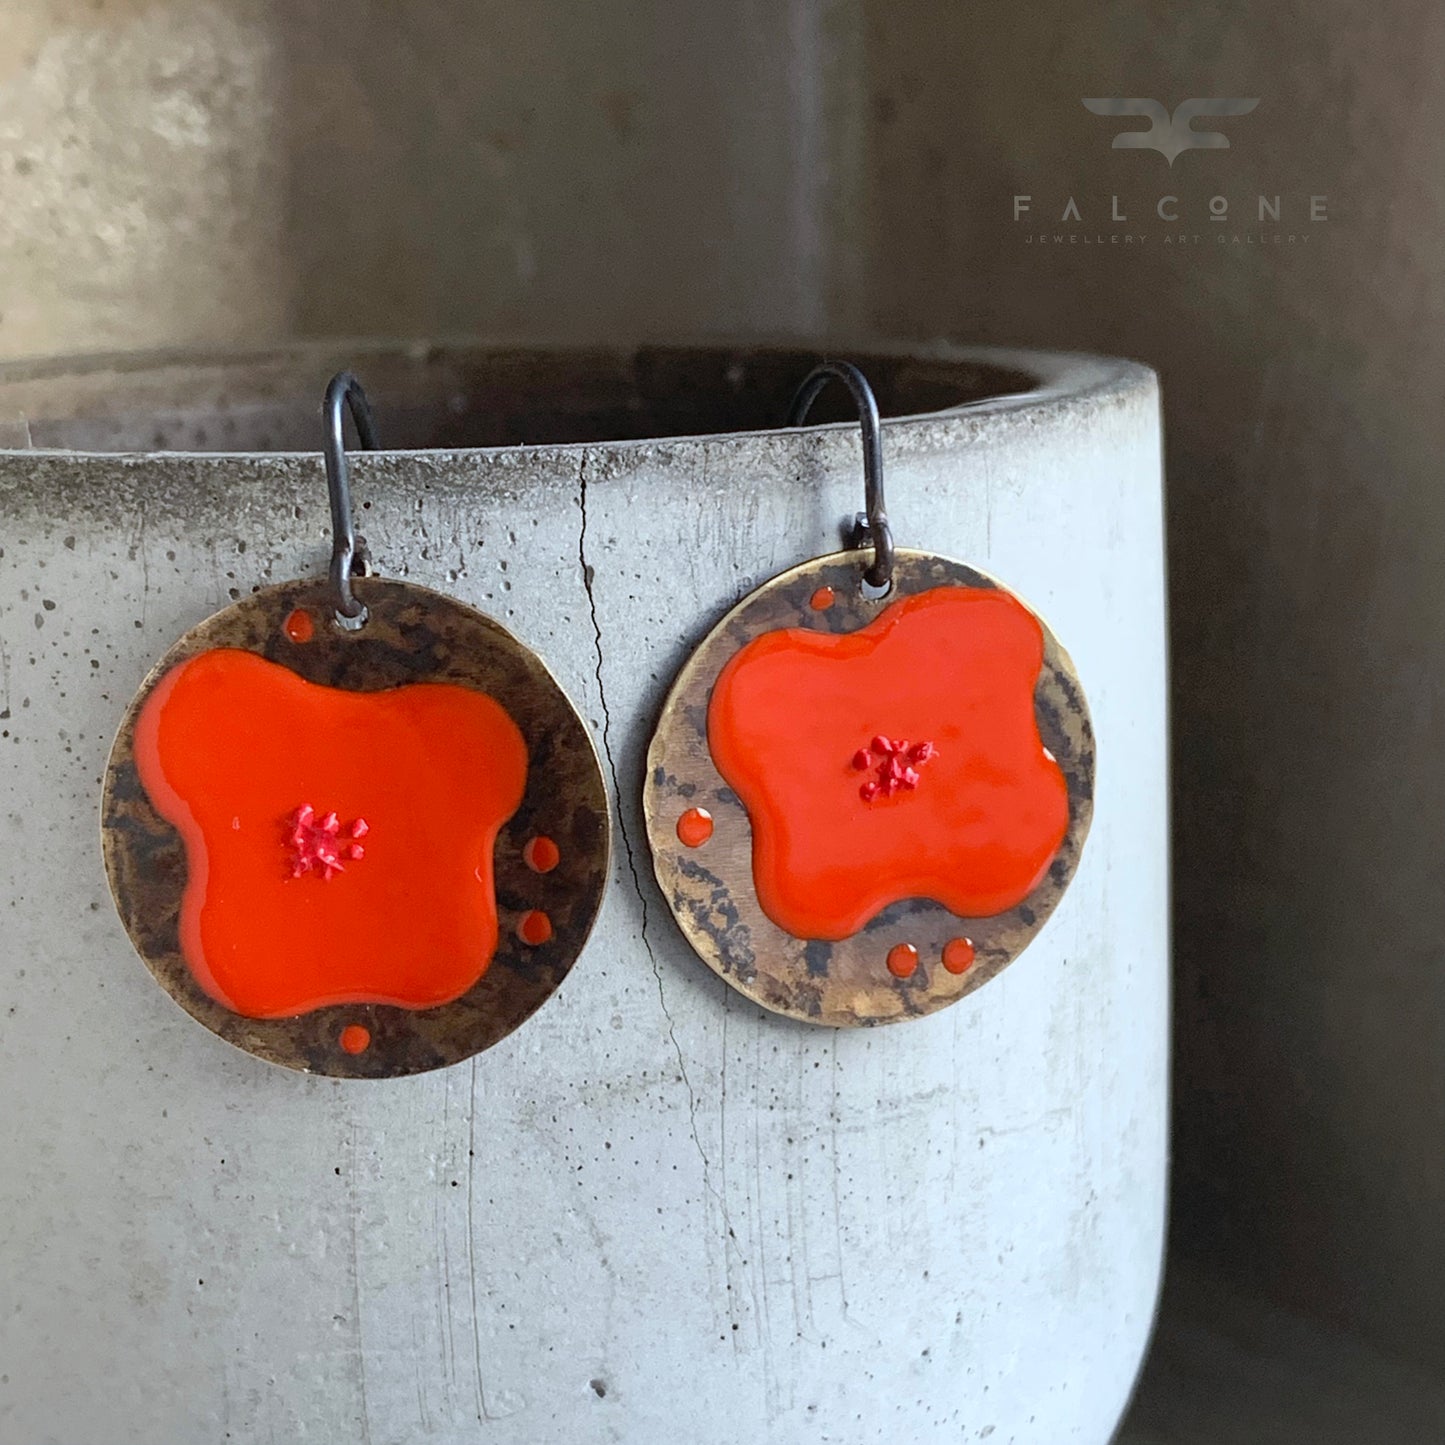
(412, 635)
(710, 887)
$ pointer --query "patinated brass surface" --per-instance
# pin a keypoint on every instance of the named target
(412, 635)
(710, 889)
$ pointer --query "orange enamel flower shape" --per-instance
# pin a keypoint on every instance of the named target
(274, 782)
(902, 760)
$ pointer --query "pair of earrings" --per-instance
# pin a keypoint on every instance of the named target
(357, 828)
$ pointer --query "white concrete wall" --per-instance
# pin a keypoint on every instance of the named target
(239, 170)
(655, 1213)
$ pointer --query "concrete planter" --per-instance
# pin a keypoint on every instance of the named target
(654, 1214)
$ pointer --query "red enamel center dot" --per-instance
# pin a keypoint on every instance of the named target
(894, 765)
(319, 845)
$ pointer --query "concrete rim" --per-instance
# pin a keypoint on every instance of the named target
(1035, 383)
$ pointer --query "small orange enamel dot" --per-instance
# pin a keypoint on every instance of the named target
(958, 955)
(300, 628)
(821, 600)
(534, 927)
(355, 1039)
(541, 855)
(902, 960)
(694, 828)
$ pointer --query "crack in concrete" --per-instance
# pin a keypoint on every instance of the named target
(588, 573)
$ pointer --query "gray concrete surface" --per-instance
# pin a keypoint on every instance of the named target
(233, 171)
(654, 1213)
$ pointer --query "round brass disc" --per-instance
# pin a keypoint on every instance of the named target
(710, 887)
(412, 635)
